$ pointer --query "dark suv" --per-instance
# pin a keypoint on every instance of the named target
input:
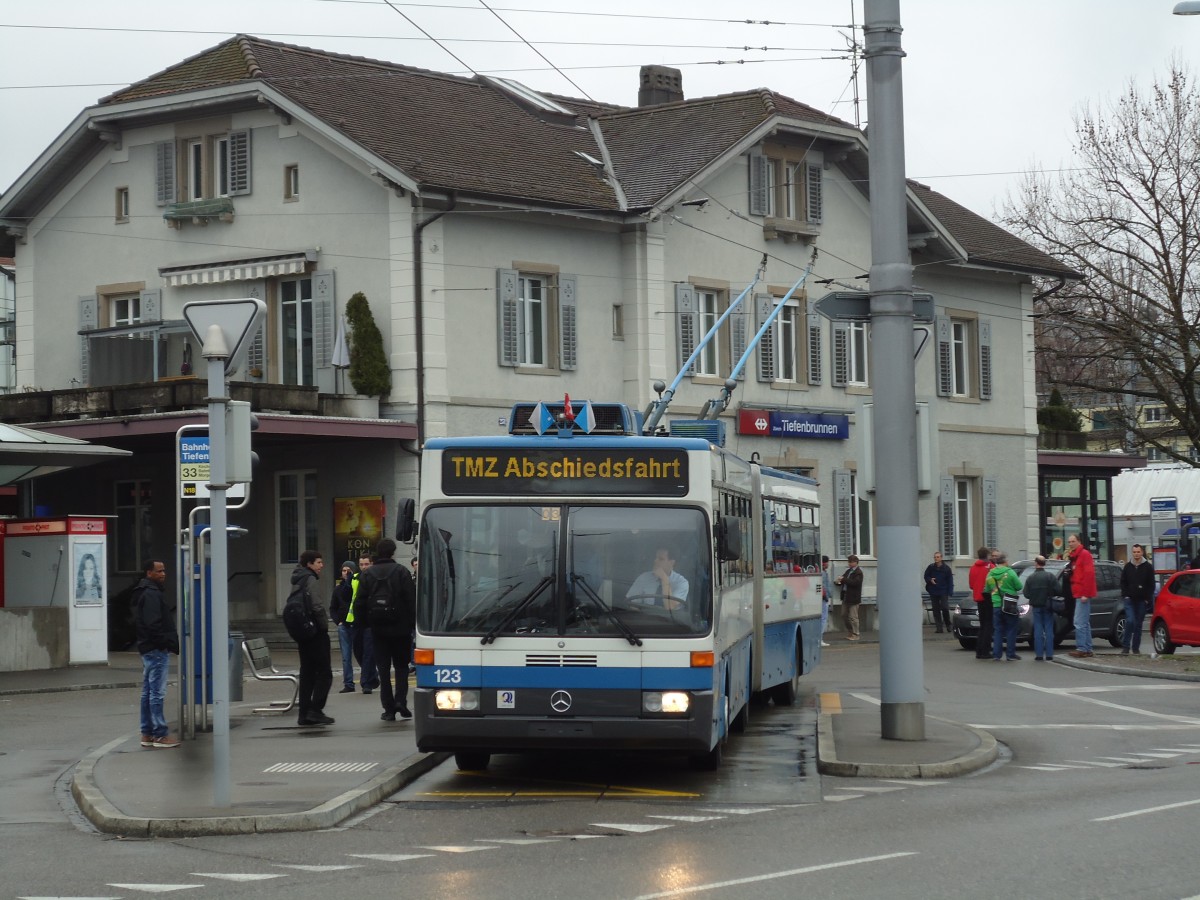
(1108, 608)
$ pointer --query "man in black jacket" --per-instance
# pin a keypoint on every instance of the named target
(157, 639)
(387, 601)
(316, 674)
(1137, 587)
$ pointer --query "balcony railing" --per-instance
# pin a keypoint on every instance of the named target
(139, 353)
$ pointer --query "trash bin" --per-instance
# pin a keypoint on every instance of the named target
(235, 665)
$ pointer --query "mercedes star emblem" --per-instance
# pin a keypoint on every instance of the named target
(560, 701)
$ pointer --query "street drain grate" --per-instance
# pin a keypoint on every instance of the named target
(321, 767)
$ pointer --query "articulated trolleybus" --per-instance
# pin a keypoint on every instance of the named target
(582, 586)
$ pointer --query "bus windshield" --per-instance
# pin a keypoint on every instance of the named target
(622, 571)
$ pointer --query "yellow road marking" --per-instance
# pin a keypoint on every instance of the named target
(830, 703)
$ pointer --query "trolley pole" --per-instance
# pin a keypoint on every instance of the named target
(901, 664)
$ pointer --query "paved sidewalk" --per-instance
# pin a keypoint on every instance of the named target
(287, 778)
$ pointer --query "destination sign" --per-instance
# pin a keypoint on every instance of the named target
(566, 471)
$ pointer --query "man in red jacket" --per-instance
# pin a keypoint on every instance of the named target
(1083, 589)
(977, 578)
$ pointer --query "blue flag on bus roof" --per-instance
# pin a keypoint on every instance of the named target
(541, 418)
(585, 419)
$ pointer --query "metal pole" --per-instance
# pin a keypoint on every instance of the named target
(901, 665)
(216, 352)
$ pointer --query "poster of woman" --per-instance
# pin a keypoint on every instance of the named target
(88, 565)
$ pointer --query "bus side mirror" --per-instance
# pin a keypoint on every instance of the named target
(729, 540)
(406, 521)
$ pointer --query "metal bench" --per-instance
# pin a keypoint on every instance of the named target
(258, 656)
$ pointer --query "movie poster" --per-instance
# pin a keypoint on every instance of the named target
(357, 527)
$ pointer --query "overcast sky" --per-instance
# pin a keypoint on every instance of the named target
(990, 88)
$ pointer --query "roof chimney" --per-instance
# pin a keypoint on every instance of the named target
(660, 84)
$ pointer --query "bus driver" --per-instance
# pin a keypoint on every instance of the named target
(662, 585)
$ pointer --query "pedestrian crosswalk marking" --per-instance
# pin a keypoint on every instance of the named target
(293, 767)
(237, 876)
(458, 848)
(749, 811)
(155, 888)
(691, 819)
(304, 868)
(390, 857)
(517, 841)
(634, 827)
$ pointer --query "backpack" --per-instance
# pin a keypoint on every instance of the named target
(383, 606)
(297, 614)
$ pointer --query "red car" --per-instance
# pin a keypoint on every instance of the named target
(1175, 621)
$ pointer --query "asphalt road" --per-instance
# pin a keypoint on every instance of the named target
(1095, 795)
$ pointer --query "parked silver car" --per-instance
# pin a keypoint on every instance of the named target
(1108, 608)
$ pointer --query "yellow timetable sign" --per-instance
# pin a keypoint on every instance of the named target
(590, 472)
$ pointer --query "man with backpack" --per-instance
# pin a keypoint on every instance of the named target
(387, 602)
(308, 624)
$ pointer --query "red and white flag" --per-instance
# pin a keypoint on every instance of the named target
(568, 413)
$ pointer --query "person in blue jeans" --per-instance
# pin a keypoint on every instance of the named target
(1137, 587)
(157, 639)
(1001, 579)
(1039, 589)
(1083, 589)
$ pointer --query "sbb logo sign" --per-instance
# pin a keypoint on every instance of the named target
(754, 421)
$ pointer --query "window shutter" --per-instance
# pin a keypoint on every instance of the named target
(506, 316)
(763, 305)
(739, 332)
(686, 324)
(323, 297)
(759, 184)
(256, 356)
(150, 303)
(814, 175)
(239, 162)
(568, 329)
(949, 537)
(89, 320)
(943, 361)
(991, 535)
(813, 327)
(985, 361)
(841, 354)
(843, 513)
(164, 173)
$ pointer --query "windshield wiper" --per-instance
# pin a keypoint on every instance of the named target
(625, 630)
(490, 637)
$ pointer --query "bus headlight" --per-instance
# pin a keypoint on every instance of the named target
(456, 701)
(665, 702)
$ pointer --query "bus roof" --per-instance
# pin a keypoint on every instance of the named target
(580, 440)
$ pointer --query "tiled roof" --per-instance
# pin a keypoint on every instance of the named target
(468, 135)
(985, 242)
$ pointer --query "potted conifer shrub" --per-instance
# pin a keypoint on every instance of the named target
(370, 375)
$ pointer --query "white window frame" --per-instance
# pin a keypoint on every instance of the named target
(1153, 454)
(124, 309)
(291, 182)
(122, 204)
(786, 335)
(532, 320)
(857, 370)
(862, 515)
(708, 310)
(1156, 413)
(297, 361)
(961, 358)
(194, 155)
(964, 517)
(787, 188)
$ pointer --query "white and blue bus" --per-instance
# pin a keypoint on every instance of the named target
(607, 590)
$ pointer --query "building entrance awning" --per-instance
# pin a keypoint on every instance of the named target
(249, 269)
(25, 453)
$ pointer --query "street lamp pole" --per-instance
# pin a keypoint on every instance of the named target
(898, 534)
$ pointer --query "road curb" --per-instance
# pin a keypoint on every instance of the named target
(100, 811)
(1122, 670)
(828, 762)
(59, 689)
